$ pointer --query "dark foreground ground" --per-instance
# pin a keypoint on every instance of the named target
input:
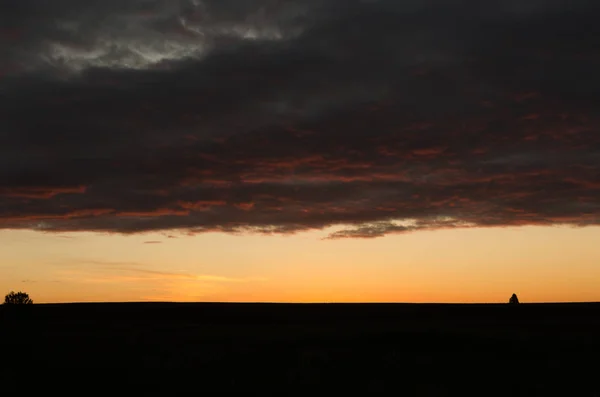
(300, 350)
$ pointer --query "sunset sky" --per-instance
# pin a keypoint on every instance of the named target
(300, 150)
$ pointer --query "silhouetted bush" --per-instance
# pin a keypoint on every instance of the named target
(513, 299)
(17, 298)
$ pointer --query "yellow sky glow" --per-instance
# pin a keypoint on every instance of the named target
(540, 264)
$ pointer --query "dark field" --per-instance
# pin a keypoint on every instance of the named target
(277, 349)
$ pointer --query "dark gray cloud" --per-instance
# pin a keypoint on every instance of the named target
(282, 116)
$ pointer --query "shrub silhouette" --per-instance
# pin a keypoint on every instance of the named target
(17, 298)
(513, 299)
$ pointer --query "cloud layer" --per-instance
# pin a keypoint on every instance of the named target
(283, 116)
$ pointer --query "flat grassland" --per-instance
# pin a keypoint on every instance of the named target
(296, 349)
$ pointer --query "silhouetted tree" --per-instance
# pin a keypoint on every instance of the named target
(17, 298)
(513, 299)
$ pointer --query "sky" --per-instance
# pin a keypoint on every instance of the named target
(300, 150)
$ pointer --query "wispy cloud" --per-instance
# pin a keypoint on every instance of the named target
(115, 271)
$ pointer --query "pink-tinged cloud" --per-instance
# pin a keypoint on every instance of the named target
(201, 205)
(40, 192)
(433, 151)
(156, 213)
(244, 206)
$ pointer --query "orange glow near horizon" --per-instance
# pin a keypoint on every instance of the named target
(540, 264)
